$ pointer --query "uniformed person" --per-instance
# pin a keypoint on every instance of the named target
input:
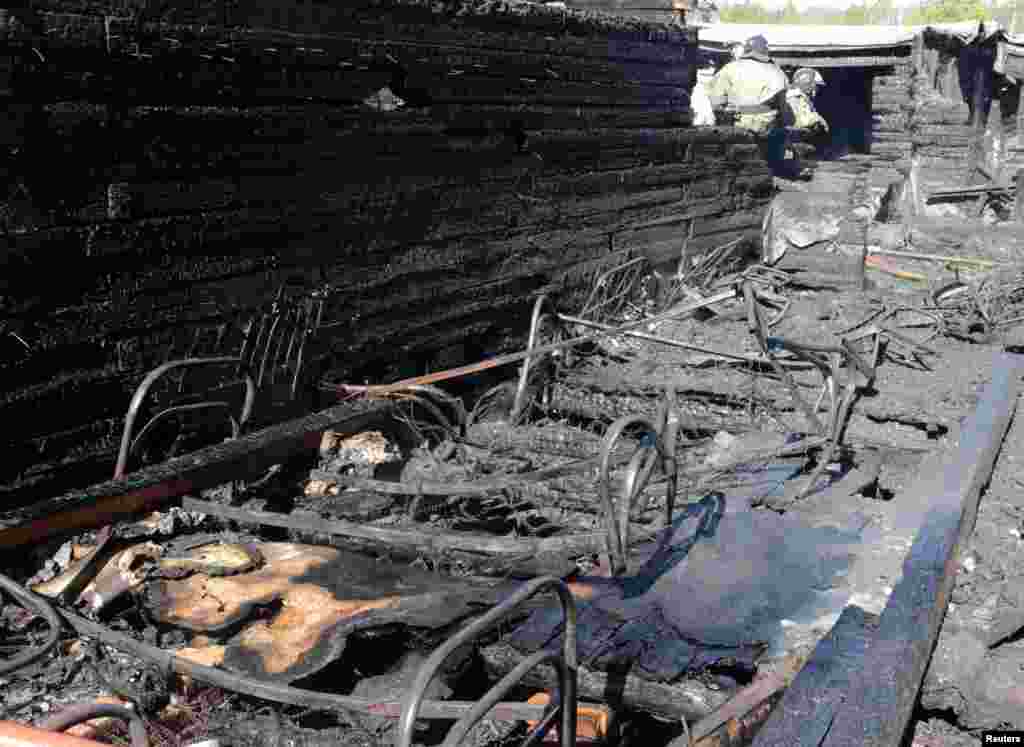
(799, 111)
(679, 9)
(700, 104)
(753, 87)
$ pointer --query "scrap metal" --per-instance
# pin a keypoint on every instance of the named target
(565, 662)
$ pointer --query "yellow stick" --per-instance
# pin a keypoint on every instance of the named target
(940, 258)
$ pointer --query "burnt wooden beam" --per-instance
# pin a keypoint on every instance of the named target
(882, 693)
(410, 542)
(806, 710)
(239, 459)
(687, 699)
(1018, 202)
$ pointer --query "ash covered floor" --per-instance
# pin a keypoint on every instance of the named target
(340, 569)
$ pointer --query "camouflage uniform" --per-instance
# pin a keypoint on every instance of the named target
(800, 112)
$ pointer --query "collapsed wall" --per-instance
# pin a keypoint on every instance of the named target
(210, 151)
(955, 145)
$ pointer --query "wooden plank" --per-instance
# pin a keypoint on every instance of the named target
(417, 542)
(808, 706)
(235, 460)
(883, 692)
(1018, 203)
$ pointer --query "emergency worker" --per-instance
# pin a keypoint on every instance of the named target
(754, 88)
(799, 111)
(700, 104)
(679, 9)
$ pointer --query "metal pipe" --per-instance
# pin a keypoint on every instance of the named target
(19, 735)
(493, 696)
(41, 607)
(616, 551)
(665, 341)
(83, 712)
(524, 371)
(504, 360)
(164, 414)
(147, 383)
(567, 664)
(757, 327)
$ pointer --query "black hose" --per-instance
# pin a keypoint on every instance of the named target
(82, 712)
(41, 607)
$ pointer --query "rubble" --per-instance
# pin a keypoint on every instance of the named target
(704, 445)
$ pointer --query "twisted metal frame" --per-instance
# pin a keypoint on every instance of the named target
(613, 288)
(565, 662)
(537, 319)
(128, 444)
(665, 429)
(276, 339)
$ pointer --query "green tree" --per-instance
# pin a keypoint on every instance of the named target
(949, 11)
(882, 12)
(855, 15)
(748, 12)
(790, 14)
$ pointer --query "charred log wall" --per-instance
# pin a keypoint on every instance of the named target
(951, 138)
(170, 164)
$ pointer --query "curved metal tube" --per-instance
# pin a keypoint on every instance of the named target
(616, 551)
(638, 475)
(152, 377)
(665, 428)
(493, 696)
(82, 712)
(673, 423)
(267, 347)
(439, 395)
(518, 403)
(164, 414)
(42, 607)
(427, 405)
(567, 666)
(756, 326)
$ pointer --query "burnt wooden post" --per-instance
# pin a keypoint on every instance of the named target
(1018, 201)
(881, 694)
(863, 269)
(810, 702)
(978, 122)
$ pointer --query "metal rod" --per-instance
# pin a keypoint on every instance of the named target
(664, 340)
(504, 360)
(524, 372)
(193, 407)
(567, 666)
(151, 378)
(82, 712)
(939, 258)
(616, 551)
(757, 327)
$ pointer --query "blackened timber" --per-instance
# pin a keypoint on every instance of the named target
(410, 542)
(882, 693)
(809, 704)
(215, 465)
(254, 163)
(688, 699)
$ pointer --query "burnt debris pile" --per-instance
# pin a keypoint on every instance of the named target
(425, 166)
